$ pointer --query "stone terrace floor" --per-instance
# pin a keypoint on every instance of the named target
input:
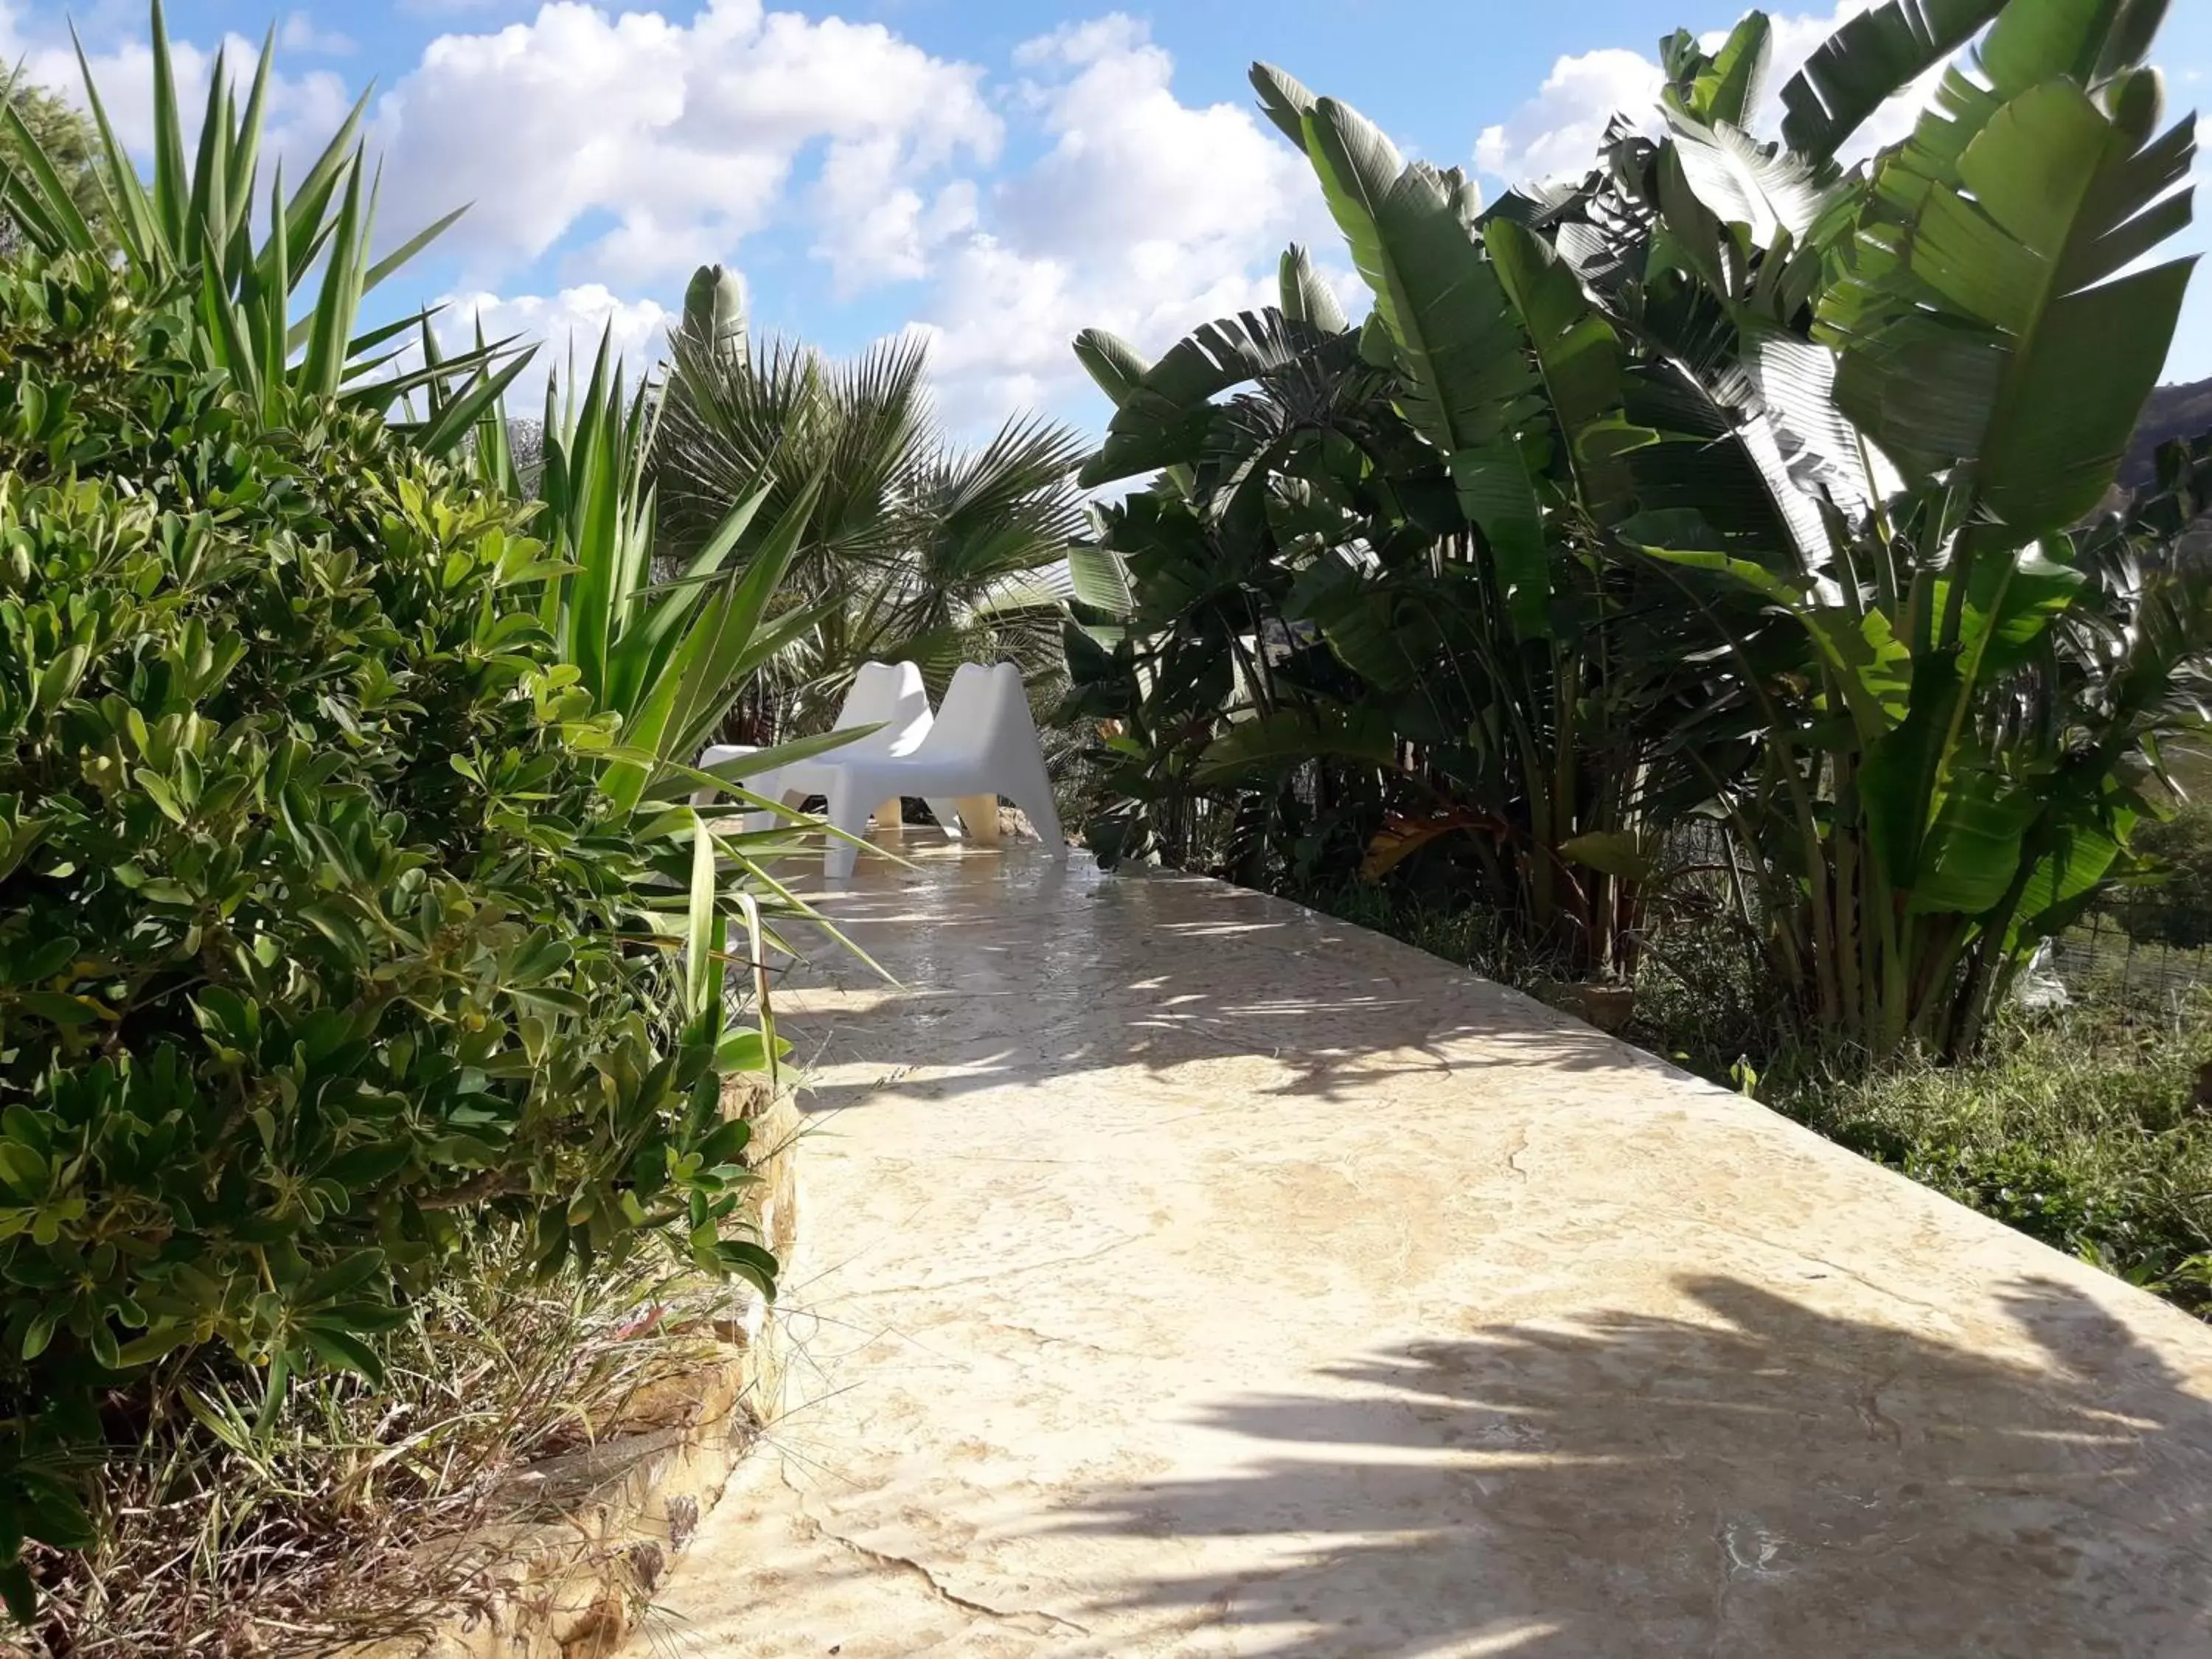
(1185, 1273)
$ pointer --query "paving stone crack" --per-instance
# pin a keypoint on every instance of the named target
(1034, 1620)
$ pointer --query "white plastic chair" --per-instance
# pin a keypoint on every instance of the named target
(888, 696)
(982, 745)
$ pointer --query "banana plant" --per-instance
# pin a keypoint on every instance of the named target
(189, 234)
(1849, 418)
(1954, 756)
(1412, 517)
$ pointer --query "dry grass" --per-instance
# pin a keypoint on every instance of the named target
(229, 1541)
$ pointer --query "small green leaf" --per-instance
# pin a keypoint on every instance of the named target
(333, 1282)
(746, 1051)
(726, 1143)
(158, 791)
(56, 1009)
(749, 1262)
(344, 1351)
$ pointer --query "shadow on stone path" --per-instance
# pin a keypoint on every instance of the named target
(1185, 1274)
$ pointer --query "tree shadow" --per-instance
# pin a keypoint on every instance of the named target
(1030, 971)
(1780, 1482)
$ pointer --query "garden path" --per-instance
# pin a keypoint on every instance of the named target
(1185, 1273)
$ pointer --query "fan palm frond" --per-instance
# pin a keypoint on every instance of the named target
(917, 549)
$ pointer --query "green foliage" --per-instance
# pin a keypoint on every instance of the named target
(2178, 911)
(188, 235)
(668, 659)
(1724, 484)
(324, 944)
(1369, 617)
(1949, 762)
(70, 143)
(900, 546)
(2088, 1131)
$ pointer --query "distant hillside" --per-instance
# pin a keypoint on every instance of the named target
(2174, 411)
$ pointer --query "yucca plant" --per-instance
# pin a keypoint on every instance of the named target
(669, 653)
(188, 235)
(667, 646)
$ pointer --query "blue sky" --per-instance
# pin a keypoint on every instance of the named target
(999, 174)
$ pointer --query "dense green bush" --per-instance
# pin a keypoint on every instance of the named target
(2178, 911)
(2085, 1130)
(321, 947)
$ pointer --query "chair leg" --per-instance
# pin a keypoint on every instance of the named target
(848, 812)
(980, 814)
(1035, 799)
(946, 811)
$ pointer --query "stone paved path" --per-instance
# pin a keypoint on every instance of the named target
(1188, 1274)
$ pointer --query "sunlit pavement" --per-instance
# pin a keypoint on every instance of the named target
(1186, 1274)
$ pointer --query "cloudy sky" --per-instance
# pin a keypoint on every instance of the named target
(999, 173)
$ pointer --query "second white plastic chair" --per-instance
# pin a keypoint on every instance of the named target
(982, 744)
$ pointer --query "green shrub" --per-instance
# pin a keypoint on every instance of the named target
(2085, 1130)
(321, 949)
(2178, 911)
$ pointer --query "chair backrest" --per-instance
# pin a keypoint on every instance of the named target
(983, 702)
(891, 695)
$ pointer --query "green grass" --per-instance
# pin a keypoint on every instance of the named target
(2088, 1129)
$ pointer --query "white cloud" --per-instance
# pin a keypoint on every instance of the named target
(302, 110)
(300, 32)
(606, 153)
(873, 228)
(683, 135)
(1556, 134)
(1146, 216)
(569, 326)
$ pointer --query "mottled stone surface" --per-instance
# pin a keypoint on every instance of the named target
(1186, 1274)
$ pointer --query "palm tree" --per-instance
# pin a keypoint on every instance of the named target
(926, 551)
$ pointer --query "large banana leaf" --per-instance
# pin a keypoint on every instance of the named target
(1443, 320)
(1112, 363)
(1284, 99)
(1578, 353)
(1453, 333)
(1726, 86)
(1307, 298)
(1163, 414)
(1745, 182)
(1873, 57)
(2089, 42)
(2034, 360)
(1286, 738)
